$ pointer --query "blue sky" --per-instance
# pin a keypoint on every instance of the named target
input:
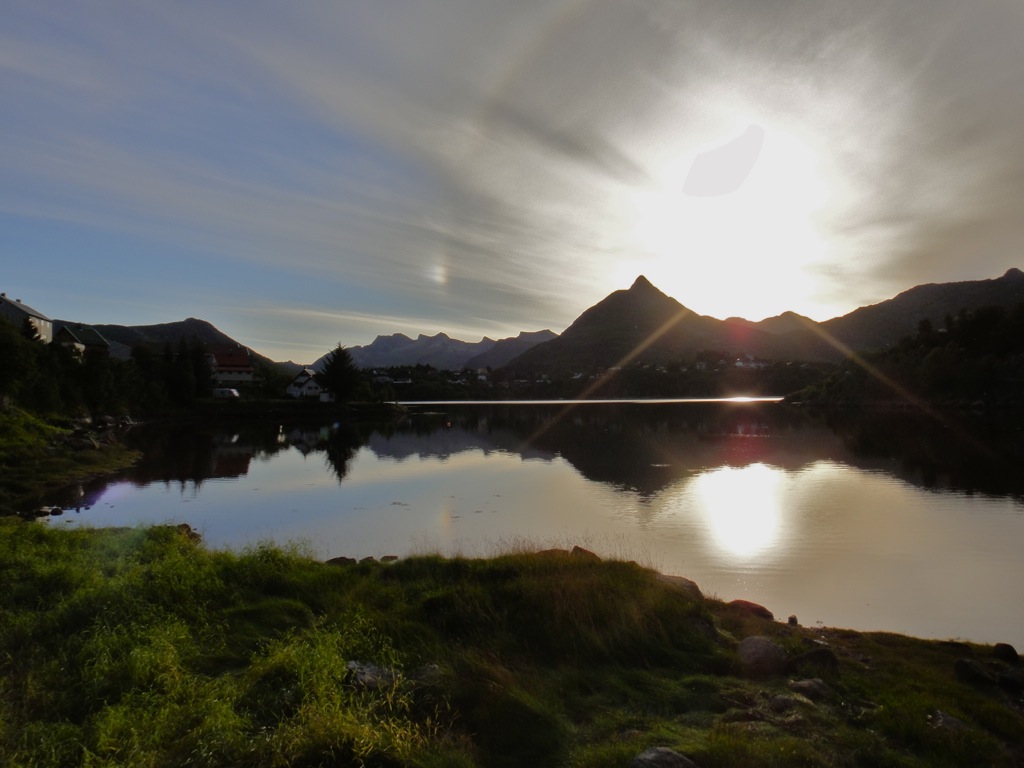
(304, 174)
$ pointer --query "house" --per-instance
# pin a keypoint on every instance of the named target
(304, 385)
(231, 366)
(84, 339)
(18, 313)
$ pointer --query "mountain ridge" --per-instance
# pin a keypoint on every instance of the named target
(643, 323)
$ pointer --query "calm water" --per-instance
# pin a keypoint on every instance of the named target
(899, 523)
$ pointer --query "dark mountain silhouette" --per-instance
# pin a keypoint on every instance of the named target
(505, 351)
(159, 335)
(441, 351)
(643, 324)
(882, 325)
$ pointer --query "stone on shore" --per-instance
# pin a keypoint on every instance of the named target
(681, 584)
(754, 609)
(760, 657)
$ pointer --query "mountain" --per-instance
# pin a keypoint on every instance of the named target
(505, 351)
(440, 351)
(161, 334)
(640, 323)
(644, 324)
(882, 325)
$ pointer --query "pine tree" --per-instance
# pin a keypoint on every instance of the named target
(340, 376)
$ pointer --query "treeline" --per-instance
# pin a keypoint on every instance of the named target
(976, 356)
(55, 380)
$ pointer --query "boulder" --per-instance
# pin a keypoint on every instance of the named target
(661, 757)
(369, 676)
(682, 585)
(1005, 652)
(342, 561)
(760, 657)
(584, 554)
(753, 609)
(946, 722)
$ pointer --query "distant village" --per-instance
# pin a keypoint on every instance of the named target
(231, 366)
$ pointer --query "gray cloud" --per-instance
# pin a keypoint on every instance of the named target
(485, 164)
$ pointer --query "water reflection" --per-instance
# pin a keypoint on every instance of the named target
(742, 506)
(886, 522)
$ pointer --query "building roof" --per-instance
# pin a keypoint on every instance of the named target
(17, 304)
(303, 376)
(231, 357)
(85, 335)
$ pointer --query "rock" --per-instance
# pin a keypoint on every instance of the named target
(760, 657)
(974, 673)
(1012, 680)
(584, 554)
(823, 659)
(342, 561)
(1005, 652)
(940, 719)
(661, 757)
(368, 676)
(780, 703)
(552, 553)
(389, 558)
(369, 559)
(752, 608)
(814, 688)
(681, 584)
(793, 622)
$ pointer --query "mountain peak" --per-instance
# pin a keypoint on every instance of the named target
(642, 284)
(1013, 274)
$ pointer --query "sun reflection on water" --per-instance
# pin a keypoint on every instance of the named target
(742, 506)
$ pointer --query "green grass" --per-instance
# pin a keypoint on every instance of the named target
(34, 459)
(142, 648)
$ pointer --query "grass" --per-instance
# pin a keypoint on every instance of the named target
(34, 459)
(141, 647)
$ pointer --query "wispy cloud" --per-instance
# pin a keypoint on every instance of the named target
(478, 166)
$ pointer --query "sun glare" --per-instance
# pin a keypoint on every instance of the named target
(742, 507)
(744, 251)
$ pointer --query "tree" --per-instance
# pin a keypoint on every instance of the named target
(340, 376)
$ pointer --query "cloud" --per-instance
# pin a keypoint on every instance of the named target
(484, 165)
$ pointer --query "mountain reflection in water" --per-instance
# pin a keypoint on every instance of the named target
(880, 521)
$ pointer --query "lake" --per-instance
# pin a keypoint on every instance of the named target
(890, 521)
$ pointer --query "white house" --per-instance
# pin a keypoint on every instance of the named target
(304, 385)
(17, 313)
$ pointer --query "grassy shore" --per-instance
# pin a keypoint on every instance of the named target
(144, 648)
(36, 456)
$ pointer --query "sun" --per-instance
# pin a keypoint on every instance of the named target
(734, 228)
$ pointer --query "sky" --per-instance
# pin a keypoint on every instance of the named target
(312, 173)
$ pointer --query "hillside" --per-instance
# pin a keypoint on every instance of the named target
(640, 323)
(882, 325)
(161, 334)
(643, 324)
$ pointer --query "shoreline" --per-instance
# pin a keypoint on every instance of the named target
(544, 658)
